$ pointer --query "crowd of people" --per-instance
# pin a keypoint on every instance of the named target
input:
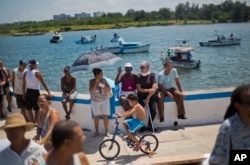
(140, 94)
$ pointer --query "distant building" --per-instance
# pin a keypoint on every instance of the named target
(98, 14)
(61, 17)
(82, 15)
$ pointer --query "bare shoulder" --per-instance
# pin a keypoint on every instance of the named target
(83, 158)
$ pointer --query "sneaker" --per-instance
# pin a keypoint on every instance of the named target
(182, 117)
(9, 109)
(96, 134)
(107, 134)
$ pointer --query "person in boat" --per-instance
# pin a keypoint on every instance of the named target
(6, 74)
(166, 87)
(67, 140)
(47, 119)
(31, 89)
(99, 92)
(234, 133)
(68, 87)
(132, 125)
(21, 151)
(128, 84)
(17, 83)
(146, 86)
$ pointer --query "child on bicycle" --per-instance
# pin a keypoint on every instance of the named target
(132, 125)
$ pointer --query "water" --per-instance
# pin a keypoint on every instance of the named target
(220, 67)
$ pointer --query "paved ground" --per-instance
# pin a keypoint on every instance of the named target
(180, 143)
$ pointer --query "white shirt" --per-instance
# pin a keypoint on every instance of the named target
(32, 152)
(31, 81)
(167, 80)
(18, 81)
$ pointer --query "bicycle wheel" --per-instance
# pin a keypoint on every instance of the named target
(109, 149)
(149, 143)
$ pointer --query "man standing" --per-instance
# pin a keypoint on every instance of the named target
(2, 82)
(68, 87)
(21, 151)
(17, 83)
(31, 89)
(166, 87)
(6, 74)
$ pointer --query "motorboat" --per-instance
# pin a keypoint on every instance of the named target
(221, 40)
(125, 47)
(56, 38)
(181, 55)
(86, 39)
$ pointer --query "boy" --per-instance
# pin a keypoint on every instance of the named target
(132, 125)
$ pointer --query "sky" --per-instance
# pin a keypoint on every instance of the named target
(36, 10)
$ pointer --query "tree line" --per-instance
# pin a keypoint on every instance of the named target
(227, 11)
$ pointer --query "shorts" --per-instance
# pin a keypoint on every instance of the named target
(6, 86)
(72, 97)
(134, 124)
(100, 108)
(31, 99)
(126, 93)
(20, 102)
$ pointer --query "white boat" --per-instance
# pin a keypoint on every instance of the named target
(181, 55)
(86, 39)
(221, 40)
(56, 38)
(125, 47)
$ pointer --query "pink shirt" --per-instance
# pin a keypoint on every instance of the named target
(128, 82)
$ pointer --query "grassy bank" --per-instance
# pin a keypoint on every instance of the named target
(16, 30)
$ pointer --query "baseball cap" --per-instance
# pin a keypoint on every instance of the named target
(33, 62)
(22, 62)
(129, 65)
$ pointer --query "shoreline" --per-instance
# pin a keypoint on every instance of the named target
(14, 32)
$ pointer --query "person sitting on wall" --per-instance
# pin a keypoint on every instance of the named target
(68, 87)
(128, 84)
(166, 87)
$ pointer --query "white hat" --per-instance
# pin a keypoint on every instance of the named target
(129, 65)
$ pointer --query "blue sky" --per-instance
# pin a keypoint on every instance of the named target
(23, 10)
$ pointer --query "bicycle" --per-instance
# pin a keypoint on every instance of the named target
(110, 148)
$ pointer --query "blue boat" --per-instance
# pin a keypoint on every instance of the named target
(125, 47)
(86, 39)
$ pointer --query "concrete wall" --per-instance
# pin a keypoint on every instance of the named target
(202, 107)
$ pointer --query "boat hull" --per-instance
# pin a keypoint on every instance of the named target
(126, 49)
(221, 43)
(187, 65)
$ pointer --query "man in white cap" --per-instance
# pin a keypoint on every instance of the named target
(31, 89)
(21, 151)
(128, 84)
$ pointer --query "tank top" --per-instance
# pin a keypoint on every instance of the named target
(18, 81)
(99, 94)
(31, 81)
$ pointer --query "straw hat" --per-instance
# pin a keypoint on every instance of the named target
(17, 120)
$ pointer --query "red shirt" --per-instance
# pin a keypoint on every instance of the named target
(128, 82)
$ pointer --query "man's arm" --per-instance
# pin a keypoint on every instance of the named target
(13, 80)
(40, 78)
(178, 83)
(74, 86)
(24, 84)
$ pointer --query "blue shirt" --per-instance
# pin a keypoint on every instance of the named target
(167, 80)
(233, 134)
